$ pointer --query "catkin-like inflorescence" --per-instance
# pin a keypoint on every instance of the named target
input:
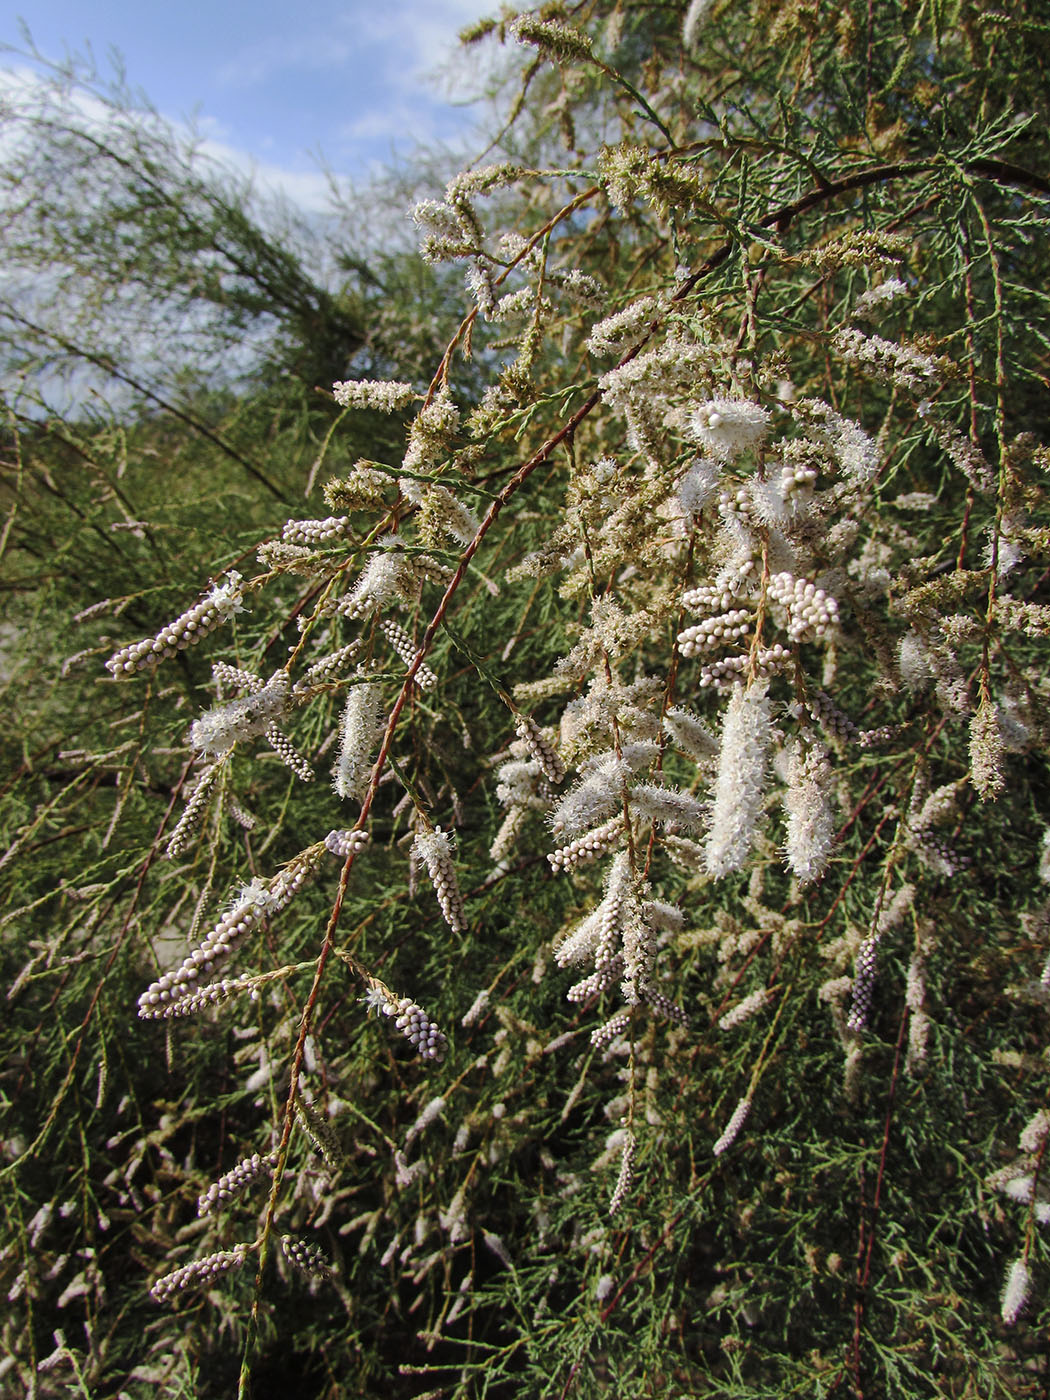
(385, 579)
(361, 730)
(383, 395)
(744, 1010)
(664, 1006)
(810, 817)
(626, 1175)
(289, 754)
(193, 813)
(331, 666)
(732, 1129)
(200, 1272)
(1016, 1290)
(541, 748)
(315, 532)
(193, 626)
(193, 998)
(812, 614)
(864, 982)
(604, 976)
(588, 847)
(434, 850)
(667, 805)
(417, 1028)
(986, 751)
(236, 1180)
(319, 1131)
(407, 650)
(690, 735)
(725, 629)
(256, 901)
(739, 790)
(609, 1030)
(307, 1257)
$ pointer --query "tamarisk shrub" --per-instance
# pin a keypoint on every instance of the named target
(689, 682)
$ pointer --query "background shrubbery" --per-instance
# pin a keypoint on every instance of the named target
(742, 190)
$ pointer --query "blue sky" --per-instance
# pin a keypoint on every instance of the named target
(275, 83)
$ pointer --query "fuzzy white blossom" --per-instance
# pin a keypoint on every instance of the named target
(383, 395)
(740, 786)
(727, 427)
(360, 732)
(810, 816)
(876, 299)
(1015, 1291)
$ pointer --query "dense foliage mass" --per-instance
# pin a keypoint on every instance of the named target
(582, 886)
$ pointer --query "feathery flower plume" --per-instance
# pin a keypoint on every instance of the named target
(219, 728)
(810, 817)
(727, 427)
(744, 1010)
(361, 730)
(1015, 1291)
(739, 788)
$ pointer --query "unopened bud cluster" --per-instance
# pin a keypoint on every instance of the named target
(199, 1273)
(811, 612)
(344, 843)
(258, 900)
(306, 1256)
(193, 626)
(417, 1028)
(238, 1179)
(406, 648)
(315, 532)
(434, 849)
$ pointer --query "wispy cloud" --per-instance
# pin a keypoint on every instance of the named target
(404, 40)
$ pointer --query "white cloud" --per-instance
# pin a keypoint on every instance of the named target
(405, 39)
